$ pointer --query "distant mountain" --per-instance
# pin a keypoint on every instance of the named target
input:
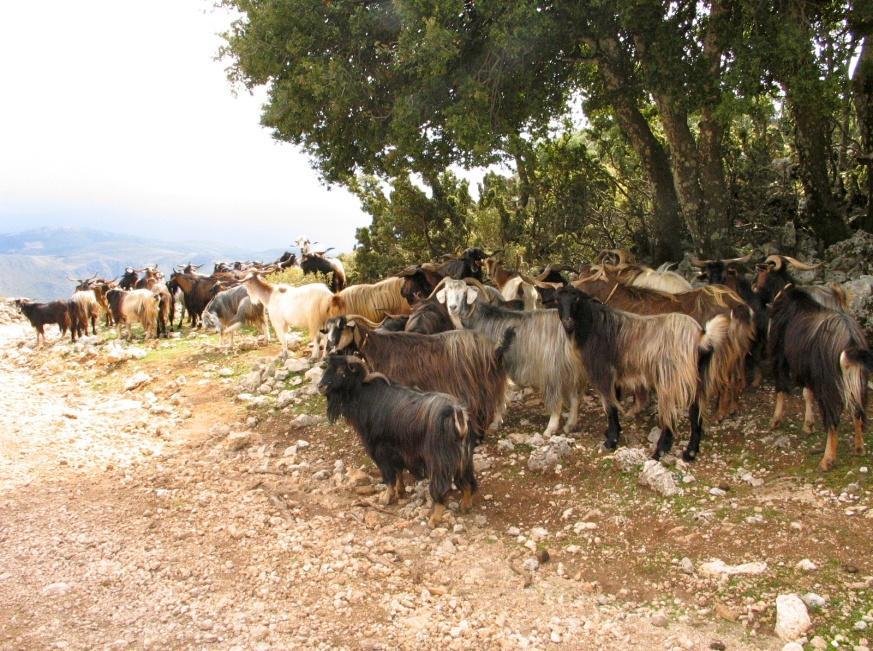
(36, 263)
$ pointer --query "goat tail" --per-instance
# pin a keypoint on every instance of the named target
(715, 336)
(855, 364)
(505, 343)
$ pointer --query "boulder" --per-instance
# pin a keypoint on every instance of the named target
(792, 619)
(659, 479)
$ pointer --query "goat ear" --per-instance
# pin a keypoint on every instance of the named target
(471, 295)
(441, 296)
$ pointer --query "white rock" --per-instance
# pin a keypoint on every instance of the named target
(505, 445)
(56, 589)
(814, 601)
(717, 492)
(284, 399)
(659, 479)
(238, 440)
(686, 565)
(792, 619)
(137, 380)
(629, 458)
(294, 365)
(539, 533)
(225, 371)
(314, 374)
(806, 565)
(793, 646)
(718, 567)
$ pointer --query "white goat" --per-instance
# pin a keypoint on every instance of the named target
(288, 306)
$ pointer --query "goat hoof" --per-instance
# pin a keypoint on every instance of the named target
(807, 428)
(610, 445)
(826, 464)
(774, 424)
(689, 456)
(859, 451)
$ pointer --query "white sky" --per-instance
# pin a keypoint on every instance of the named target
(115, 115)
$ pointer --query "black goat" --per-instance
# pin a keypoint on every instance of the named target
(824, 351)
(129, 279)
(42, 314)
(403, 429)
(468, 265)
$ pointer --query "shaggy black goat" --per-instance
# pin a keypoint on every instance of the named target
(403, 429)
(464, 364)
(826, 353)
(665, 352)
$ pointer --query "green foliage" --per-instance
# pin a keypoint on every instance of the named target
(686, 107)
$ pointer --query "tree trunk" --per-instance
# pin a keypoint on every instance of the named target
(862, 95)
(804, 91)
(666, 222)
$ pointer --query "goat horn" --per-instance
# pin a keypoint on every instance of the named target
(742, 260)
(797, 264)
(696, 262)
(775, 260)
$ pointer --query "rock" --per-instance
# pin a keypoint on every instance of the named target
(814, 601)
(717, 645)
(56, 589)
(659, 479)
(717, 567)
(792, 620)
(505, 445)
(225, 371)
(285, 398)
(793, 646)
(629, 458)
(726, 612)
(137, 380)
(251, 381)
(818, 643)
(314, 374)
(543, 556)
(238, 440)
(117, 352)
(806, 565)
(306, 420)
(659, 620)
(717, 492)
(686, 566)
(295, 365)
(357, 477)
(550, 454)
(654, 435)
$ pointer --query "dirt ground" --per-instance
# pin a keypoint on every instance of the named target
(187, 513)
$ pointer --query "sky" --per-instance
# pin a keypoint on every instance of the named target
(115, 115)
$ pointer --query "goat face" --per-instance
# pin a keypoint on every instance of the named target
(342, 374)
(457, 296)
(340, 334)
(574, 310)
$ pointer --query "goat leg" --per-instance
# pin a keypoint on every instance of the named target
(776, 421)
(830, 455)
(665, 443)
(696, 418)
(573, 416)
(859, 433)
(436, 514)
(613, 429)
(808, 413)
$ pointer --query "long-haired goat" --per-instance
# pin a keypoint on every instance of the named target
(668, 353)
(824, 351)
(702, 304)
(136, 306)
(287, 306)
(372, 302)
(404, 429)
(231, 309)
(729, 272)
(464, 364)
(772, 275)
(87, 309)
(42, 314)
(541, 356)
(640, 275)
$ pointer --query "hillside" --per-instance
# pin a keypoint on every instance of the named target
(36, 263)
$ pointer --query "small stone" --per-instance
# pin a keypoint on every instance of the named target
(238, 440)
(137, 380)
(717, 645)
(56, 589)
(225, 371)
(793, 646)
(659, 619)
(686, 566)
(806, 565)
(726, 612)
(814, 601)
(818, 643)
(543, 555)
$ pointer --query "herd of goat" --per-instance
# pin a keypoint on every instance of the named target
(419, 363)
